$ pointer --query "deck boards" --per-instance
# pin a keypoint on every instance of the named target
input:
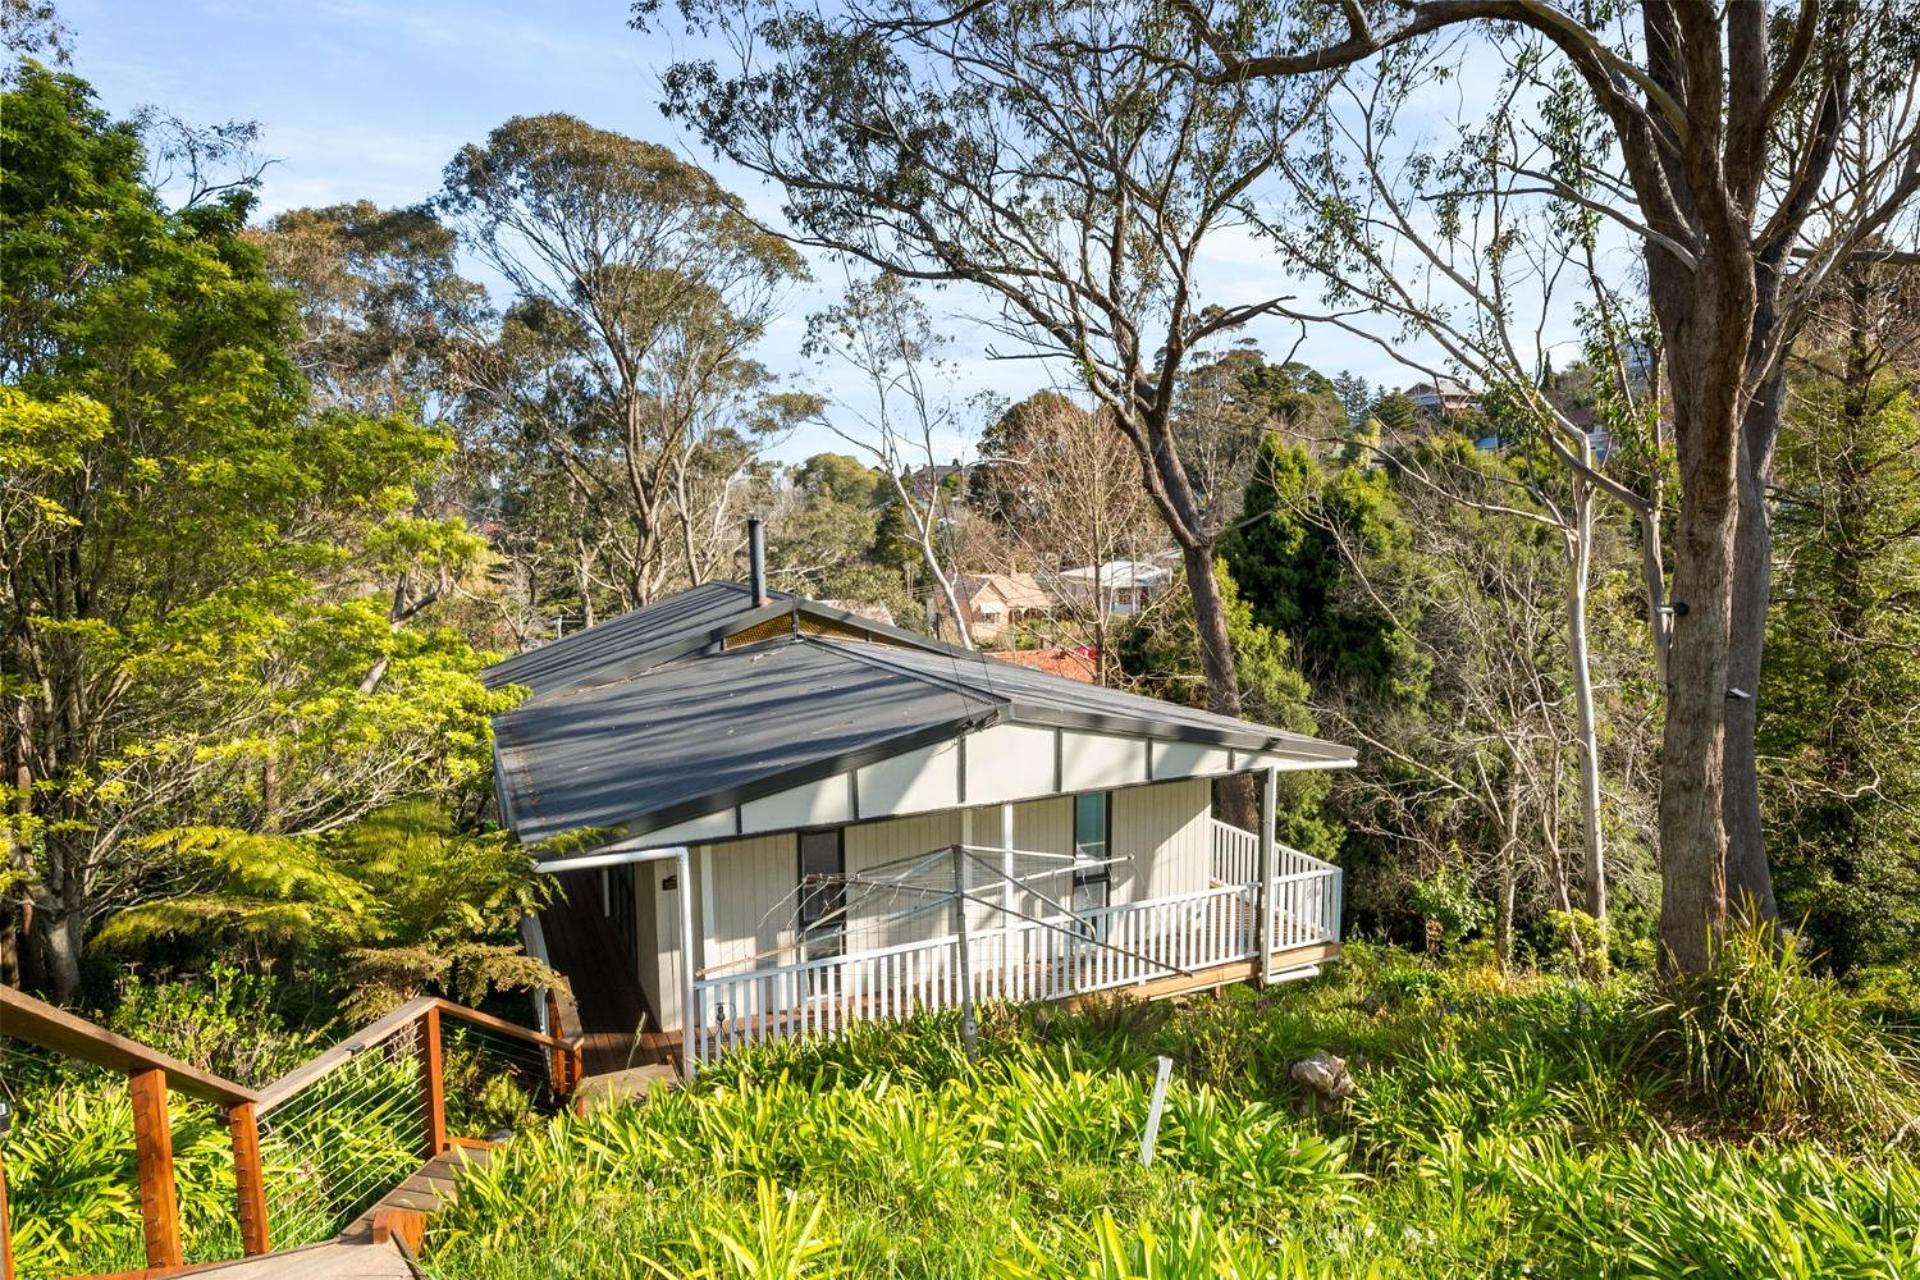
(429, 1188)
(335, 1260)
(608, 1005)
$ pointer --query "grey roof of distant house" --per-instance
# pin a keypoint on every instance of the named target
(648, 720)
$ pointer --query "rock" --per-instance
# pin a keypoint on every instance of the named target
(1325, 1074)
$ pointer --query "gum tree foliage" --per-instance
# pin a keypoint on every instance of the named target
(1052, 157)
(622, 380)
(196, 623)
(1747, 151)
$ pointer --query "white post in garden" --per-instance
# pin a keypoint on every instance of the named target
(1154, 1110)
(689, 1026)
(1263, 927)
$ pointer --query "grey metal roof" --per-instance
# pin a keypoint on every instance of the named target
(1037, 697)
(647, 720)
(709, 731)
(627, 641)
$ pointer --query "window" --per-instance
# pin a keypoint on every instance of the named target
(1091, 815)
(823, 895)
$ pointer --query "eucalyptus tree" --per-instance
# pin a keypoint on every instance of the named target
(881, 331)
(1053, 157)
(383, 307)
(1710, 137)
(639, 289)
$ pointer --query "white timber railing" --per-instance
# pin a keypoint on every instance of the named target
(1024, 961)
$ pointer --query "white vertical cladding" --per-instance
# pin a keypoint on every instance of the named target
(1045, 826)
(1162, 833)
(752, 903)
(872, 917)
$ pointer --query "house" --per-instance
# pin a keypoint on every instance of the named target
(1440, 398)
(995, 602)
(1120, 586)
(925, 482)
(773, 818)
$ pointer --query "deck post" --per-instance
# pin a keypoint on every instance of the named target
(153, 1155)
(688, 1024)
(433, 1080)
(969, 1032)
(1007, 903)
(1263, 925)
(249, 1185)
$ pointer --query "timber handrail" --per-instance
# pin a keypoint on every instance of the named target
(330, 1060)
(38, 1023)
(151, 1074)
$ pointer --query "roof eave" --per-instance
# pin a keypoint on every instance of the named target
(649, 820)
(1042, 716)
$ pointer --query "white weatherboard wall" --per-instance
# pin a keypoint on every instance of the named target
(744, 900)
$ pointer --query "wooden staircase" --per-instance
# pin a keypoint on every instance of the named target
(380, 1241)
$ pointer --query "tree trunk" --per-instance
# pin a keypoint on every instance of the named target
(1580, 657)
(1238, 804)
(58, 937)
(1749, 880)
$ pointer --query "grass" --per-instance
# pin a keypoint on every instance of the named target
(1503, 1126)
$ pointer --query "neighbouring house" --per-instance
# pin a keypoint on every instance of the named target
(1070, 662)
(1119, 586)
(994, 603)
(774, 818)
(1442, 398)
(924, 482)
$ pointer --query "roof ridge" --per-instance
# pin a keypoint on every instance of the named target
(870, 655)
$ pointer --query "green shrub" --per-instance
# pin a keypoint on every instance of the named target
(72, 1180)
(225, 1021)
(1762, 1038)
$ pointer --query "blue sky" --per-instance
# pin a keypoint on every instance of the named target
(363, 99)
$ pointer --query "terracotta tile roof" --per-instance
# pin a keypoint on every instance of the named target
(1076, 663)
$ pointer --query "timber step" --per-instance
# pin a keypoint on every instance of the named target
(333, 1260)
(430, 1188)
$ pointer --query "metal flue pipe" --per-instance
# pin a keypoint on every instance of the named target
(757, 561)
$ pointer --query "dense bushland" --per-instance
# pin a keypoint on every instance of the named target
(1503, 1125)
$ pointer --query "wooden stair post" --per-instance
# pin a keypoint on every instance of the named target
(6, 1224)
(433, 1079)
(249, 1185)
(153, 1154)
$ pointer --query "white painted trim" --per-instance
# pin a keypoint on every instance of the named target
(611, 858)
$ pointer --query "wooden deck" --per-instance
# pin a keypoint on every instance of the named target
(1287, 962)
(608, 1011)
(335, 1260)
